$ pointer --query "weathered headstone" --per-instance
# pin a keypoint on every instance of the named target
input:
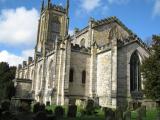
(109, 114)
(127, 115)
(72, 111)
(158, 109)
(140, 114)
(118, 114)
(143, 108)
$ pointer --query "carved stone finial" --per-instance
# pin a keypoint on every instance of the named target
(42, 7)
(49, 3)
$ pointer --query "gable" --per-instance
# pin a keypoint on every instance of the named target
(103, 34)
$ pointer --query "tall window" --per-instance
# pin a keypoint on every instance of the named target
(51, 73)
(55, 28)
(135, 76)
(84, 77)
(71, 75)
(40, 78)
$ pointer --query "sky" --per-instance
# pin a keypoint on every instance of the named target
(19, 21)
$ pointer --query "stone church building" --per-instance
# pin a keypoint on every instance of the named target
(100, 62)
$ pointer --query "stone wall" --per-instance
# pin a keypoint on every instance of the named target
(23, 88)
(124, 55)
(82, 36)
(79, 62)
(104, 78)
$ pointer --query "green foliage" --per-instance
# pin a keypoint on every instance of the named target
(151, 71)
(151, 114)
(7, 74)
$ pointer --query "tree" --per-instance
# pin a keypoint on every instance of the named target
(7, 74)
(151, 70)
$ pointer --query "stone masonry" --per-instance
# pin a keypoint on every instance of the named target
(94, 63)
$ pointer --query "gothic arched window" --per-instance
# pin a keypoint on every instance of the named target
(55, 25)
(55, 28)
(71, 75)
(84, 77)
(40, 77)
(51, 73)
(135, 75)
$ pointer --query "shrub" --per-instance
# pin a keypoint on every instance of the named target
(5, 105)
(72, 111)
(59, 112)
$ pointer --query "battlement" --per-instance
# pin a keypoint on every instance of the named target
(26, 63)
(103, 48)
(77, 47)
(58, 8)
(51, 6)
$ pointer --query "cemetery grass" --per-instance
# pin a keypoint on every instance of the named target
(150, 115)
(98, 116)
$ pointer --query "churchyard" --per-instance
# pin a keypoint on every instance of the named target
(37, 111)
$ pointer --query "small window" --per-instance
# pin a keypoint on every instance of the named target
(84, 77)
(71, 75)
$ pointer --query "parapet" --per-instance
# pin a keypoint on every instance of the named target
(30, 60)
(78, 48)
(24, 64)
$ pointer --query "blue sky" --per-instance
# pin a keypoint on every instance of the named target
(19, 18)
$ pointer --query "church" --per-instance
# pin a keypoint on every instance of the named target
(99, 62)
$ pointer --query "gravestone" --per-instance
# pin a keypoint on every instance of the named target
(118, 114)
(140, 114)
(158, 109)
(72, 111)
(109, 114)
(143, 108)
(127, 115)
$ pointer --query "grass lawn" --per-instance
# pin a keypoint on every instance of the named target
(151, 114)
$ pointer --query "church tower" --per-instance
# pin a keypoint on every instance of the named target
(53, 26)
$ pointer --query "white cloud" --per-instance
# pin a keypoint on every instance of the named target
(118, 1)
(18, 26)
(14, 60)
(90, 5)
(71, 32)
(156, 11)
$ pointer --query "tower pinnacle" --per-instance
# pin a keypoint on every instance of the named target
(42, 7)
(67, 14)
(49, 3)
(67, 7)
